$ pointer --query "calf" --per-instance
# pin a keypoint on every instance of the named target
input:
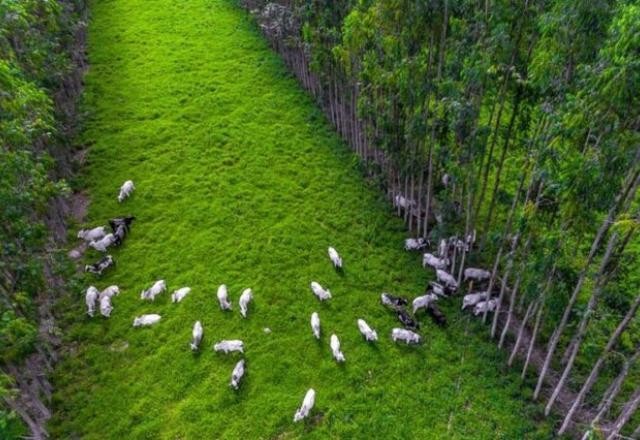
(223, 298)
(472, 299)
(447, 279)
(335, 349)
(321, 293)
(307, 405)
(415, 244)
(476, 274)
(196, 336)
(368, 333)
(146, 320)
(433, 261)
(229, 346)
(103, 264)
(485, 306)
(315, 325)
(91, 298)
(393, 302)
(179, 294)
(110, 291)
(243, 302)
(407, 320)
(94, 234)
(155, 290)
(423, 301)
(236, 375)
(335, 258)
(438, 317)
(105, 306)
(400, 334)
(125, 190)
(102, 244)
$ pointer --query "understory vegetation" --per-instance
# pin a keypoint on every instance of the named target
(240, 180)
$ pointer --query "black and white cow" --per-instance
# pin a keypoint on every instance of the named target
(102, 264)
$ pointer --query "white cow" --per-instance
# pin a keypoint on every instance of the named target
(476, 274)
(105, 306)
(335, 258)
(422, 302)
(335, 348)
(236, 375)
(433, 261)
(102, 244)
(438, 289)
(483, 306)
(155, 290)
(447, 279)
(307, 405)
(414, 244)
(223, 297)
(125, 190)
(145, 320)
(401, 334)
(179, 294)
(472, 299)
(245, 298)
(402, 202)
(229, 346)
(94, 234)
(110, 292)
(368, 333)
(315, 325)
(196, 336)
(91, 298)
(318, 291)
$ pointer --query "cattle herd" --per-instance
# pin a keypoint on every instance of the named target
(100, 239)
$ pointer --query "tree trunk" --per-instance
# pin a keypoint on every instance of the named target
(627, 412)
(595, 371)
(512, 301)
(531, 309)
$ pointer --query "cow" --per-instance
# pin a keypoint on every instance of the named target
(91, 298)
(307, 405)
(110, 291)
(368, 333)
(102, 244)
(474, 274)
(179, 294)
(407, 320)
(125, 190)
(196, 336)
(105, 306)
(229, 346)
(335, 258)
(423, 301)
(94, 234)
(243, 302)
(438, 288)
(400, 334)
(155, 290)
(472, 299)
(393, 302)
(146, 320)
(415, 244)
(447, 279)
(433, 261)
(223, 298)
(335, 349)
(315, 325)
(236, 374)
(321, 293)
(436, 314)
(485, 306)
(103, 264)
(126, 221)
(120, 233)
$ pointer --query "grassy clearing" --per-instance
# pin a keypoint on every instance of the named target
(241, 181)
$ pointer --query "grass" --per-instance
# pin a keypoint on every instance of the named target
(240, 180)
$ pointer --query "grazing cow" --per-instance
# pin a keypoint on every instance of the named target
(368, 333)
(407, 320)
(393, 302)
(447, 279)
(315, 325)
(437, 288)
(436, 314)
(91, 298)
(423, 301)
(472, 299)
(476, 274)
(105, 306)
(488, 306)
(102, 244)
(145, 320)
(102, 264)
(94, 234)
(415, 244)
(400, 334)
(335, 258)
(223, 297)
(125, 190)
(245, 298)
(236, 375)
(196, 336)
(433, 261)
(307, 405)
(321, 293)
(229, 346)
(179, 294)
(110, 291)
(155, 290)
(126, 221)
(335, 349)
(120, 233)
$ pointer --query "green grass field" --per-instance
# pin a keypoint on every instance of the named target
(240, 180)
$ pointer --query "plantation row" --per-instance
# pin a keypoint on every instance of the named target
(515, 120)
